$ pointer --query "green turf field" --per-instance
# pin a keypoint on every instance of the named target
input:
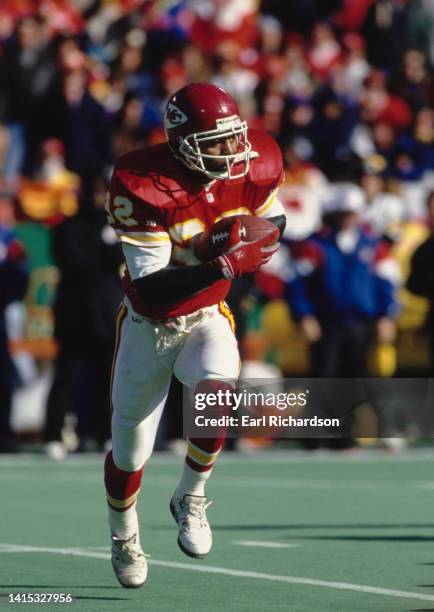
(291, 532)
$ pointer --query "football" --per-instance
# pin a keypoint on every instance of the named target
(212, 243)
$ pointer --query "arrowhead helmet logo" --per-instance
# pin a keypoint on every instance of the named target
(174, 117)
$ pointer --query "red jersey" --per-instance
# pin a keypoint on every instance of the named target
(155, 201)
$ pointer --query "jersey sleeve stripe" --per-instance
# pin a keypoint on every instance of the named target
(242, 210)
(265, 207)
(146, 238)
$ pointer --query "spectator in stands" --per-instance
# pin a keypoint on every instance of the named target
(356, 64)
(385, 212)
(411, 159)
(89, 256)
(382, 30)
(13, 283)
(343, 288)
(301, 16)
(352, 14)
(129, 65)
(83, 127)
(335, 121)
(421, 278)
(62, 16)
(414, 81)
(298, 121)
(417, 27)
(229, 74)
(195, 63)
(301, 191)
(127, 131)
(215, 22)
(325, 51)
(384, 139)
(29, 78)
(378, 104)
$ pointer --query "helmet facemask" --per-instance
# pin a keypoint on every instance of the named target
(189, 149)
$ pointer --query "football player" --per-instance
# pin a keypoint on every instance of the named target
(174, 318)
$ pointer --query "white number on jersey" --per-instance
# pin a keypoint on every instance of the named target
(121, 211)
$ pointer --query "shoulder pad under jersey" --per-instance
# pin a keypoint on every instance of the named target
(266, 165)
(153, 175)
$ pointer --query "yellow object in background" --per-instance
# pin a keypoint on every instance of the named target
(290, 348)
(43, 201)
(383, 360)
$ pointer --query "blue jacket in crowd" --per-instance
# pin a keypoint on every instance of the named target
(333, 284)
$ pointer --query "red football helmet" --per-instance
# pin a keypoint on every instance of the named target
(200, 113)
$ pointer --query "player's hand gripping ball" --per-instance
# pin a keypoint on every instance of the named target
(221, 238)
(238, 245)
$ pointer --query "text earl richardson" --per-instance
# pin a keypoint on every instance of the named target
(266, 420)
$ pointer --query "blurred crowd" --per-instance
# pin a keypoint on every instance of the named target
(345, 86)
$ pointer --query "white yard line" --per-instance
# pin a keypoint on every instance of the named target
(224, 571)
(263, 544)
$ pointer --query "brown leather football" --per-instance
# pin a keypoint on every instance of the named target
(213, 242)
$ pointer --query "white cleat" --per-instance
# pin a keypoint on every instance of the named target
(195, 537)
(129, 562)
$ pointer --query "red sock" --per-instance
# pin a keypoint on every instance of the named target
(122, 488)
(202, 452)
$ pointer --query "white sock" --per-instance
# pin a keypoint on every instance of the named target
(123, 524)
(192, 482)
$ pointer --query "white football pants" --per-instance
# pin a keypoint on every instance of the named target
(194, 347)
